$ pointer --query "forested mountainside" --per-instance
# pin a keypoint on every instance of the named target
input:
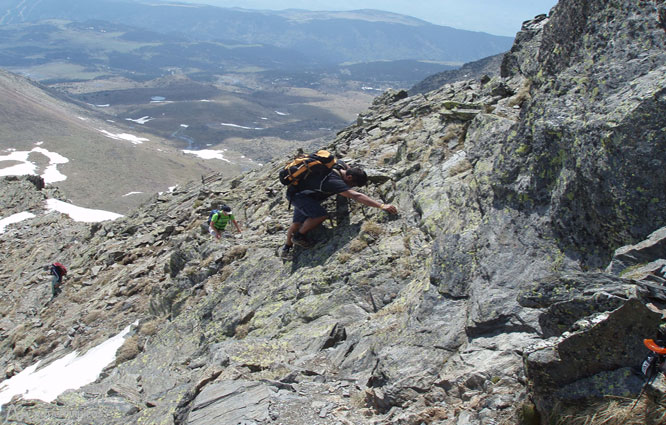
(522, 272)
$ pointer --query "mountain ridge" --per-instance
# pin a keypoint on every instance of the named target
(483, 68)
(360, 14)
(328, 41)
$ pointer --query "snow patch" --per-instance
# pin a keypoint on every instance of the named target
(70, 372)
(14, 218)
(19, 169)
(141, 120)
(51, 173)
(85, 215)
(208, 154)
(124, 136)
(240, 126)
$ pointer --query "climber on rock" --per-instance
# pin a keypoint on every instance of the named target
(219, 219)
(311, 191)
(57, 270)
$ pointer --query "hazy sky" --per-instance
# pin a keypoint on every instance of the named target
(500, 17)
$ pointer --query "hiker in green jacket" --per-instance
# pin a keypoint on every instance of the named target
(219, 221)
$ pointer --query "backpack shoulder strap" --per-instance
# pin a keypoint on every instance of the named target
(321, 183)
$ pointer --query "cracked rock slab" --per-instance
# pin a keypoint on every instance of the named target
(231, 402)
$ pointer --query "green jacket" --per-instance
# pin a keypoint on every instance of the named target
(220, 220)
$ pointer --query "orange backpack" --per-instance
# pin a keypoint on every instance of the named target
(317, 164)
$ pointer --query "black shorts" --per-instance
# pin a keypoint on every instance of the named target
(306, 207)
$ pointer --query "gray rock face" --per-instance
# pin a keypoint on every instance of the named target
(590, 142)
(18, 194)
(232, 402)
(487, 290)
(589, 362)
(645, 252)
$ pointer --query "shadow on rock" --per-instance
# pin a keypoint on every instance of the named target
(328, 242)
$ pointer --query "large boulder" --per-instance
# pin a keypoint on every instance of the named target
(599, 357)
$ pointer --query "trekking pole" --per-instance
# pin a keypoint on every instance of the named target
(651, 365)
(639, 395)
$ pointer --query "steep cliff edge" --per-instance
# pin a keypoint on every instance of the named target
(514, 193)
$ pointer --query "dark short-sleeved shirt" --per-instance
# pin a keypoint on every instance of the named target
(320, 189)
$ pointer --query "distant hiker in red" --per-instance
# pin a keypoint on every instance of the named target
(307, 196)
(57, 270)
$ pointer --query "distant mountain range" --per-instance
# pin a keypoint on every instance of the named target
(95, 48)
(321, 37)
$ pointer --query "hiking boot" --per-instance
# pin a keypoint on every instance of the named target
(301, 240)
(285, 253)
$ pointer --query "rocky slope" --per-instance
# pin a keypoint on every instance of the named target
(493, 292)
